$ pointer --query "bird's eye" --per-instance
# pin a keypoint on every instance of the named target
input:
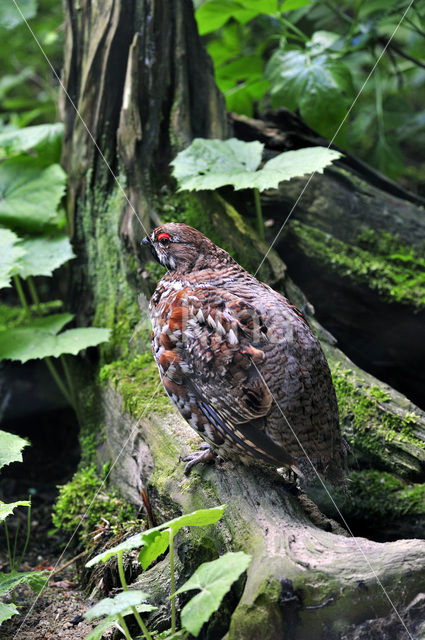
(164, 239)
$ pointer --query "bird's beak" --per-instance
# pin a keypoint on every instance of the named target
(146, 241)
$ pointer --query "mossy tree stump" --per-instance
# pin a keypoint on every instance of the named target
(143, 85)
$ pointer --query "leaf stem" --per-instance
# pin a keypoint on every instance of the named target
(124, 585)
(173, 583)
(124, 627)
(9, 552)
(34, 294)
(15, 544)
(56, 377)
(27, 539)
(260, 221)
(72, 391)
(21, 295)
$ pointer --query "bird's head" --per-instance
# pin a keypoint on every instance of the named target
(181, 248)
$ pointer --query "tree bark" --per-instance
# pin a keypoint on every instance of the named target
(144, 88)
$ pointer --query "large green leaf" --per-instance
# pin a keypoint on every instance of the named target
(119, 604)
(319, 86)
(7, 611)
(11, 448)
(43, 255)
(35, 579)
(30, 194)
(10, 16)
(213, 14)
(156, 539)
(210, 164)
(214, 580)
(43, 140)
(28, 343)
(111, 620)
(7, 508)
(53, 323)
(10, 252)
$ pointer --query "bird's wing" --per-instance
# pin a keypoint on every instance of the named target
(208, 347)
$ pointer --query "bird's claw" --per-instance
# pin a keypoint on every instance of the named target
(204, 454)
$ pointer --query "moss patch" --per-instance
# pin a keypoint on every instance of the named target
(373, 428)
(378, 494)
(76, 505)
(137, 381)
(378, 259)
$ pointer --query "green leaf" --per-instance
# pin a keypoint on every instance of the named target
(7, 611)
(10, 252)
(10, 16)
(111, 620)
(292, 5)
(119, 604)
(213, 14)
(43, 140)
(214, 580)
(29, 343)
(319, 86)
(43, 255)
(9, 581)
(7, 509)
(154, 545)
(53, 323)
(156, 539)
(11, 448)
(30, 194)
(210, 164)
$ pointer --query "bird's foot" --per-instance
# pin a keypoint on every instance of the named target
(204, 454)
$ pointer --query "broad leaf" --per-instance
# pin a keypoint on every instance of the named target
(156, 539)
(210, 164)
(43, 140)
(9, 581)
(30, 194)
(11, 448)
(111, 620)
(119, 604)
(29, 343)
(43, 255)
(213, 14)
(214, 580)
(319, 86)
(7, 611)
(7, 509)
(292, 5)
(53, 323)
(10, 252)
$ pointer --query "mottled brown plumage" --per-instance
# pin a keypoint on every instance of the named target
(239, 361)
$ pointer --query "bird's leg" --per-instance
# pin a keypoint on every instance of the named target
(204, 454)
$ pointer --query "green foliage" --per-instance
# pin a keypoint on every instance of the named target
(210, 164)
(84, 501)
(213, 579)
(10, 253)
(315, 57)
(11, 447)
(28, 90)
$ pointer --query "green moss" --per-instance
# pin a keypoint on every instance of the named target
(137, 381)
(378, 259)
(370, 427)
(83, 502)
(378, 494)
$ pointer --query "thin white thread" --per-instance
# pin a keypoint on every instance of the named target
(334, 504)
(333, 137)
(89, 507)
(80, 117)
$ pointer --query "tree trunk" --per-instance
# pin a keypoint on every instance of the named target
(144, 88)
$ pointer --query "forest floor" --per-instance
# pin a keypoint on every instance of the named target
(57, 612)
